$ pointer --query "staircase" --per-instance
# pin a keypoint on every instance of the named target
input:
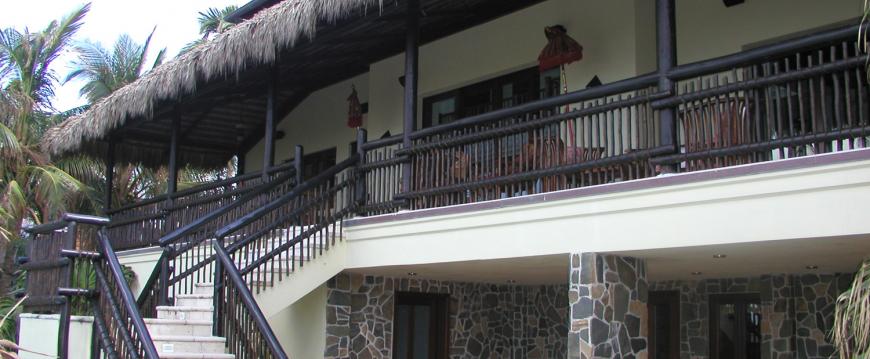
(184, 331)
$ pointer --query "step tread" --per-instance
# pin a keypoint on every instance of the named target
(185, 308)
(194, 296)
(196, 356)
(176, 321)
(187, 338)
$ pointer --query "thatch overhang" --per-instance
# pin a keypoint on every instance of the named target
(218, 90)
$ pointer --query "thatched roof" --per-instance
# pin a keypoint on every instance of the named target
(251, 43)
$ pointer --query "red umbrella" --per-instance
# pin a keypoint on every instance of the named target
(354, 110)
(561, 49)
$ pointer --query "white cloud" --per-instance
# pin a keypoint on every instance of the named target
(175, 20)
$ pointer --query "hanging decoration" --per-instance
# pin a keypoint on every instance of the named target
(354, 109)
(561, 50)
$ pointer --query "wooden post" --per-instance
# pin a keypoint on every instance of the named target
(269, 143)
(172, 186)
(412, 43)
(240, 164)
(666, 54)
(298, 164)
(110, 175)
(361, 138)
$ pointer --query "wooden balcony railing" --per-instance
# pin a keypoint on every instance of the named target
(794, 98)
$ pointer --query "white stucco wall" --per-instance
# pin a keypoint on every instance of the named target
(38, 332)
(301, 327)
(142, 262)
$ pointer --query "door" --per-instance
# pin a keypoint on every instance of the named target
(735, 326)
(420, 326)
(317, 162)
(664, 324)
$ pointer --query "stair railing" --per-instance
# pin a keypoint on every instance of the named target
(188, 258)
(268, 243)
(72, 267)
(142, 223)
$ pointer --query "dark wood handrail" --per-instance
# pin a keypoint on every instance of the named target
(295, 192)
(65, 219)
(200, 188)
(193, 226)
(235, 280)
(383, 142)
(748, 57)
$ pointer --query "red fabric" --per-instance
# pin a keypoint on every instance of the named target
(561, 49)
(354, 110)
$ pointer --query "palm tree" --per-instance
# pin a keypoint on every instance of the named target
(106, 72)
(211, 22)
(32, 189)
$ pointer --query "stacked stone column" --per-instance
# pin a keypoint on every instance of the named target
(608, 297)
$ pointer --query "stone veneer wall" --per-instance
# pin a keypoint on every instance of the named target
(608, 298)
(797, 312)
(486, 320)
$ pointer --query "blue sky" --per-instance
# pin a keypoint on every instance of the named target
(175, 21)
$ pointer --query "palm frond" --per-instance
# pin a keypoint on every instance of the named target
(851, 332)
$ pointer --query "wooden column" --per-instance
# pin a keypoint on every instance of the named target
(412, 44)
(110, 175)
(298, 165)
(361, 138)
(666, 54)
(172, 183)
(240, 164)
(269, 139)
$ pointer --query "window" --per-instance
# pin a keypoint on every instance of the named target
(501, 92)
(735, 326)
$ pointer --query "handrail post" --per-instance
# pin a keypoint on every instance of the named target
(64, 315)
(163, 282)
(360, 195)
(217, 328)
(666, 54)
(298, 164)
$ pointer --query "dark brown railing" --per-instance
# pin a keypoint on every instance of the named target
(72, 267)
(142, 223)
(266, 245)
(796, 98)
(381, 172)
(595, 136)
(188, 258)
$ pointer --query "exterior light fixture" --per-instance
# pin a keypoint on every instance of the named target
(697, 273)
(412, 274)
(812, 267)
(720, 256)
(512, 281)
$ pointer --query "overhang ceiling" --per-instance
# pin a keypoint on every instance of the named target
(228, 115)
(829, 255)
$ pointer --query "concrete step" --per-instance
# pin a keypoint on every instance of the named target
(189, 344)
(184, 313)
(196, 356)
(178, 327)
(195, 300)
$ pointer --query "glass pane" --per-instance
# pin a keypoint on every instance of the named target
(753, 331)
(444, 111)
(727, 333)
(403, 327)
(421, 331)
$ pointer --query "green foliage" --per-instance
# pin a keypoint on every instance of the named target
(107, 71)
(211, 22)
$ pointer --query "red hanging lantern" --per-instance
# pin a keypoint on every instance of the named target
(561, 49)
(354, 110)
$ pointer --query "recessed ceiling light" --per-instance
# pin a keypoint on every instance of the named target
(720, 256)
(812, 267)
(697, 273)
(412, 274)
